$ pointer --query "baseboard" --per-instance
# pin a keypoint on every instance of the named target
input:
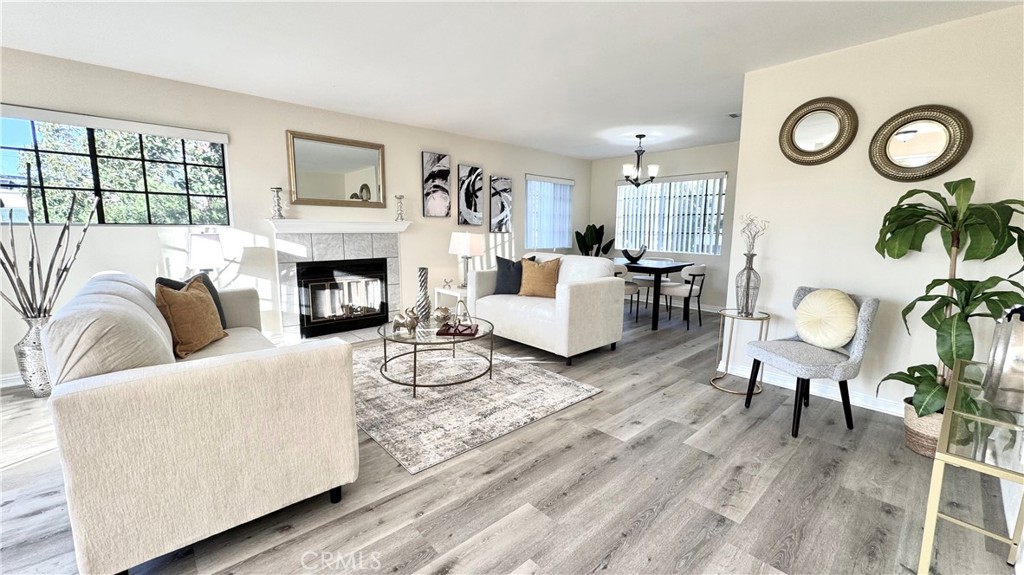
(10, 380)
(821, 388)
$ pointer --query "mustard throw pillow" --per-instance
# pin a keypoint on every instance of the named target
(540, 278)
(191, 315)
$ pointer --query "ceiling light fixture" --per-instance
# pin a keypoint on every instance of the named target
(632, 173)
(905, 135)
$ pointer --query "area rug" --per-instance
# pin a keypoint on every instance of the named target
(443, 422)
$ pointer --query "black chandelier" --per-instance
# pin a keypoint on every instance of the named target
(633, 172)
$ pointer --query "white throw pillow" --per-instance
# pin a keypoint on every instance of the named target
(826, 318)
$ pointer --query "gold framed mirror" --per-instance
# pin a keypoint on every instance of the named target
(329, 171)
(818, 131)
(920, 143)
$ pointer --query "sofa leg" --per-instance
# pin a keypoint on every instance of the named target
(613, 345)
(125, 572)
(336, 494)
(568, 360)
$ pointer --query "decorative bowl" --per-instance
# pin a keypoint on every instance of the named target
(633, 259)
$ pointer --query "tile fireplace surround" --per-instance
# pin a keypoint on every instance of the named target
(312, 241)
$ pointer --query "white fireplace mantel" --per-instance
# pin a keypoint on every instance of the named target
(336, 227)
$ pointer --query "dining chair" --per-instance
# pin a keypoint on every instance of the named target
(690, 288)
(647, 280)
(631, 289)
(806, 362)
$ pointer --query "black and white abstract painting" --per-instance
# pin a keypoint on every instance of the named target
(471, 187)
(437, 198)
(501, 204)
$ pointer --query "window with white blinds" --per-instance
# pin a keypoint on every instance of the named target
(681, 214)
(548, 212)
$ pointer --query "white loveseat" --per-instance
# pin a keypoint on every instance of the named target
(585, 314)
(166, 453)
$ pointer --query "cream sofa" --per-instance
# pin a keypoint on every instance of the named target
(585, 314)
(158, 454)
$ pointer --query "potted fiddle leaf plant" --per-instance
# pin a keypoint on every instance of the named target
(969, 231)
(589, 241)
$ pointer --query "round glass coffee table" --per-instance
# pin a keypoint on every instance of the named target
(424, 339)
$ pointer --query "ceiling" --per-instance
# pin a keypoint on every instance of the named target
(576, 79)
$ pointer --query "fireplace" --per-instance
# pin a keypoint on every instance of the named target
(341, 295)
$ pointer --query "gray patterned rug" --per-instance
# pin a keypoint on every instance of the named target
(445, 421)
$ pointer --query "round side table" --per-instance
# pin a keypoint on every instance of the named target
(764, 320)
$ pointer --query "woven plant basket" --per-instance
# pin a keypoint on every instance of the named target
(921, 433)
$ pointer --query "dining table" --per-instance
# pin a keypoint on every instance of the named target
(657, 269)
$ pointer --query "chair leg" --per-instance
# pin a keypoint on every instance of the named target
(844, 391)
(668, 304)
(647, 297)
(798, 404)
(700, 320)
(636, 318)
(336, 494)
(753, 381)
(807, 393)
(686, 307)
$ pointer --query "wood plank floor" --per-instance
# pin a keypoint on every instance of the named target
(660, 473)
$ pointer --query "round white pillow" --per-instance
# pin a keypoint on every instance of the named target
(826, 318)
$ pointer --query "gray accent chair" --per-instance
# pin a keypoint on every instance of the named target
(807, 362)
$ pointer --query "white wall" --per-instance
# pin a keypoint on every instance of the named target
(825, 219)
(606, 174)
(257, 161)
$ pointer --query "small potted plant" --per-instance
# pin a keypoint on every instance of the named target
(979, 231)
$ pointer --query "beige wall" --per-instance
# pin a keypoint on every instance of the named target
(257, 161)
(605, 176)
(825, 219)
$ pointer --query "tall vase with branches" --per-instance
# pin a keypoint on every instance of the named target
(748, 281)
(33, 292)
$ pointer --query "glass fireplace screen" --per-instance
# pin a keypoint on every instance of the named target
(344, 299)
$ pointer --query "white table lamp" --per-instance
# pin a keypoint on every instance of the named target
(466, 245)
(205, 252)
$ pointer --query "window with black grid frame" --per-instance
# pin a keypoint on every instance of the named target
(139, 177)
(675, 214)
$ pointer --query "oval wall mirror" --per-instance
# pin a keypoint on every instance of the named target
(920, 143)
(818, 131)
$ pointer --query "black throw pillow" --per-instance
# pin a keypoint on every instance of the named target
(208, 284)
(510, 275)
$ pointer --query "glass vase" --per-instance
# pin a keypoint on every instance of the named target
(748, 283)
(29, 354)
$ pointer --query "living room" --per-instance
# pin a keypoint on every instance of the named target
(486, 509)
